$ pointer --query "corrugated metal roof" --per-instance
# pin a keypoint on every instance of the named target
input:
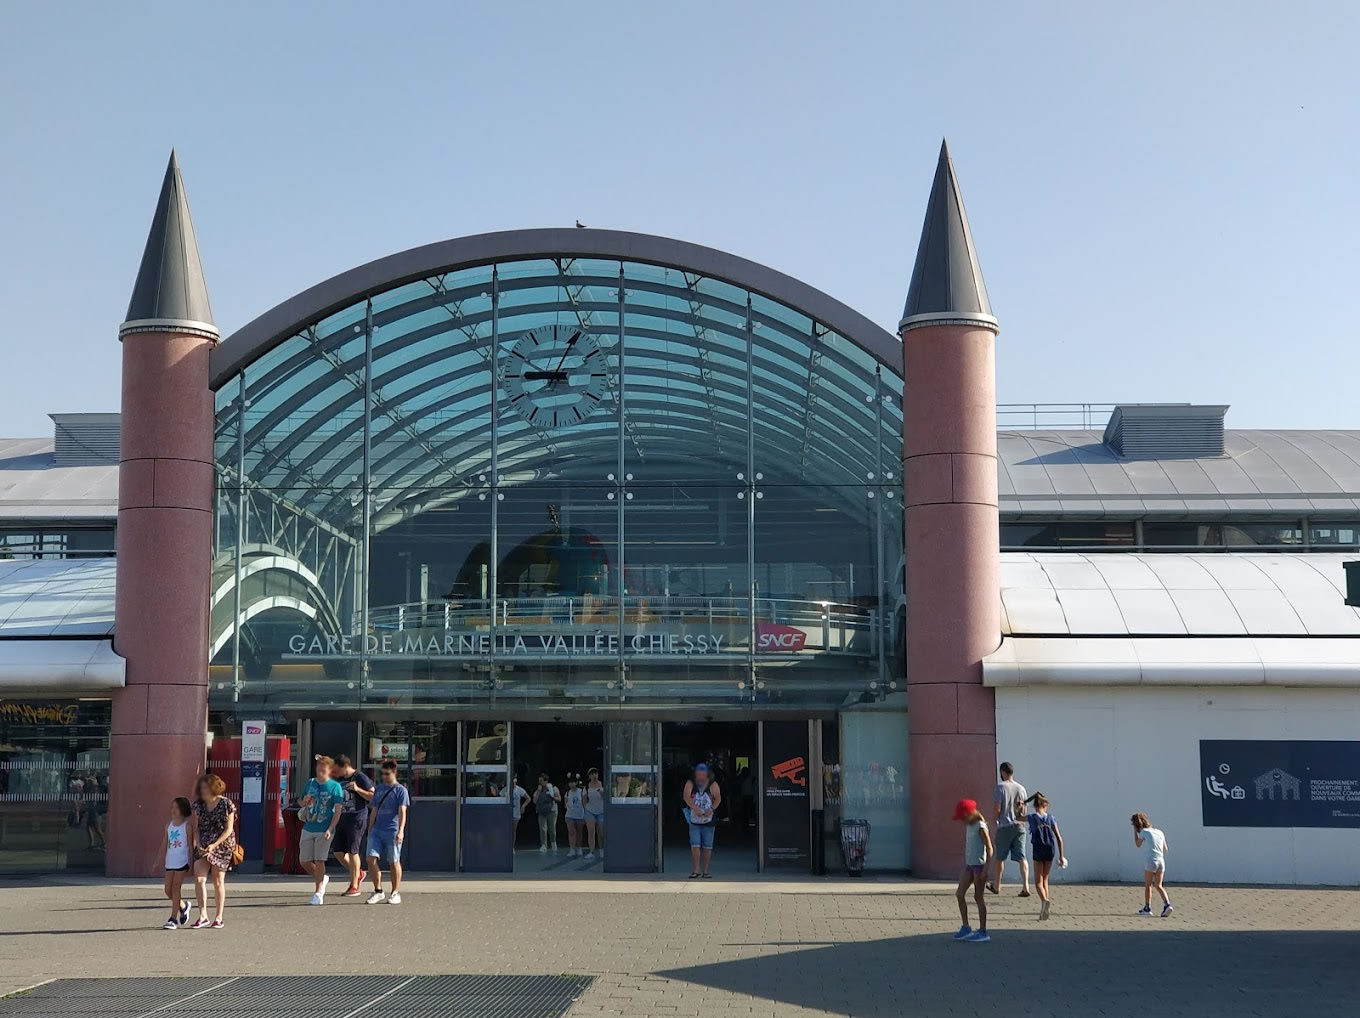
(33, 487)
(1190, 594)
(57, 597)
(1068, 473)
(1073, 473)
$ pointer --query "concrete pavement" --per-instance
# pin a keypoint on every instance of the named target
(794, 947)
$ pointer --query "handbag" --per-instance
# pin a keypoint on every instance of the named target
(238, 852)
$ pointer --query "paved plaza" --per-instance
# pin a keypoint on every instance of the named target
(750, 947)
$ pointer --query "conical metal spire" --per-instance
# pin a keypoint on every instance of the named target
(946, 284)
(170, 294)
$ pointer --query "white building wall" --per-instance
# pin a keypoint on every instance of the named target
(1103, 753)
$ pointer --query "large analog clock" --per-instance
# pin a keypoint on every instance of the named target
(555, 375)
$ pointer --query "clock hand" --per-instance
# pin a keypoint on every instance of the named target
(570, 343)
(539, 376)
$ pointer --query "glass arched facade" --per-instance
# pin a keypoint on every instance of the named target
(559, 482)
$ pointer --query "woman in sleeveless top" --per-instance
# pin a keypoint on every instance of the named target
(702, 799)
(594, 803)
(214, 818)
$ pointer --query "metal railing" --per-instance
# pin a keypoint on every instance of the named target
(1053, 416)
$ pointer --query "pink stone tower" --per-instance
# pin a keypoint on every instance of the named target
(165, 526)
(952, 540)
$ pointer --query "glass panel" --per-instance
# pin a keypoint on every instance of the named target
(487, 767)
(1068, 535)
(1157, 536)
(873, 783)
(1332, 534)
(685, 376)
(1265, 536)
(54, 784)
(632, 762)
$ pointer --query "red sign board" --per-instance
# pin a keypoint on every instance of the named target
(774, 638)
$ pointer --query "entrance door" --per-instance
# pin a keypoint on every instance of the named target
(486, 819)
(562, 753)
(731, 751)
(633, 779)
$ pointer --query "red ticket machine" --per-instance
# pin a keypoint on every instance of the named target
(224, 759)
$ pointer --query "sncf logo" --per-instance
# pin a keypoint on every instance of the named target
(254, 730)
(792, 770)
(771, 637)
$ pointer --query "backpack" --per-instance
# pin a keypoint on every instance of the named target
(1043, 832)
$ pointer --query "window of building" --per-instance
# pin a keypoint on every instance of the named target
(1332, 534)
(1157, 536)
(1067, 535)
(1264, 535)
(54, 783)
(65, 542)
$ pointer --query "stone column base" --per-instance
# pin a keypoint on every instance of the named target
(145, 773)
(945, 769)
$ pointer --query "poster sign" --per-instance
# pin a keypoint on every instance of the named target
(784, 785)
(252, 762)
(1263, 783)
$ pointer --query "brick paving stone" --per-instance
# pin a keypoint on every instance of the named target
(772, 951)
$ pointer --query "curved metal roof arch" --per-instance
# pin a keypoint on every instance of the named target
(315, 303)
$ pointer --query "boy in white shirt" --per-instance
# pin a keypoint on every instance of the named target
(1153, 844)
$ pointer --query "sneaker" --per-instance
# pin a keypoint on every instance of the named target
(217, 924)
(993, 888)
(200, 923)
(185, 909)
(1024, 893)
(374, 898)
(1145, 910)
(351, 892)
(543, 849)
(170, 924)
(315, 899)
(963, 933)
(394, 898)
(325, 882)
(1043, 910)
(1167, 910)
(978, 937)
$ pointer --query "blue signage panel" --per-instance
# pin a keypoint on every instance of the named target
(1266, 783)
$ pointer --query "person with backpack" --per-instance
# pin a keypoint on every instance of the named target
(1012, 831)
(1047, 844)
(546, 798)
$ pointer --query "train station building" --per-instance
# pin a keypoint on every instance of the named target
(547, 500)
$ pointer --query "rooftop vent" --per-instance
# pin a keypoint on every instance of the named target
(85, 440)
(1159, 431)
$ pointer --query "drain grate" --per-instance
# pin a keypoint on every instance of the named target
(448, 996)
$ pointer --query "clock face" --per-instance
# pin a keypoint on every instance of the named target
(555, 375)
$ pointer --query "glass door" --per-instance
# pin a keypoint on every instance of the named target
(486, 843)
(632, 814)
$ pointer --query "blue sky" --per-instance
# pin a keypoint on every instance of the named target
(1165, 199)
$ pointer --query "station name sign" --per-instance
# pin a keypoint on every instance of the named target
(417, 644)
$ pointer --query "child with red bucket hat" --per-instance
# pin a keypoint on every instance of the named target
(977, 849)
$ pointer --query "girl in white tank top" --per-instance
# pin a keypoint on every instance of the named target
(176, 850)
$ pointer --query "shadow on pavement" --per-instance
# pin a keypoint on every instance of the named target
(1136, 973)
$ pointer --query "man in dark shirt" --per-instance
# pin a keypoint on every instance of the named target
(352, 830)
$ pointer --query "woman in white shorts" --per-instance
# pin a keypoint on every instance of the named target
(1153, 844)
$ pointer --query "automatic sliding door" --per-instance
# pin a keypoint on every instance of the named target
(487, 828)
(630, 844)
